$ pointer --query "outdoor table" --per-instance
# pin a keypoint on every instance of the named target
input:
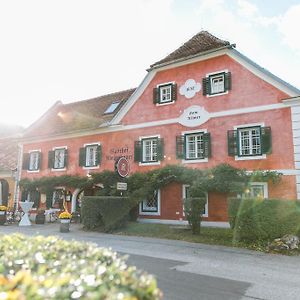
(26, 206)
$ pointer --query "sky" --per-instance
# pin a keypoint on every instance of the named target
(71, 50)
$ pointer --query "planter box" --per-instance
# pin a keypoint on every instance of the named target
(65, 225)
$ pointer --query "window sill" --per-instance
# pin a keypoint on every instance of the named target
(264, 156)
(58, 170)
(149, 213)
(165, 103)
(194, 161)
(218, 94)
(33, 171)
(154, 163)
(91, 168)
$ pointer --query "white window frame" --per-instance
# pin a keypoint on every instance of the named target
(151, 213)
(162, 85)
(184, 186)
(86, 154)
(55, 149)
(262, 184)
(148, 163)
(254, 157)
(29, 162)
(211, 76)
(192, 161)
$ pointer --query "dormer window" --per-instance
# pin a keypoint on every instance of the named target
(112, 108)
(165, 93)
(218, 83)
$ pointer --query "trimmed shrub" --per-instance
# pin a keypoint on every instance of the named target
(105, 213)
(41, 268)
(193, 209)
(264, 220)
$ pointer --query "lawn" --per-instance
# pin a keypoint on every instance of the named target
(208, 235)
(213, 236)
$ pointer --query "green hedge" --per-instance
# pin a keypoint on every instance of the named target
(105, 212)
(263, 220)
(41, 268)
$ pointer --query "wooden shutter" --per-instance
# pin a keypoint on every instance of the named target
(207, 145)
(206, 86)
(174, 92)
(66, 158)
(232, 142)
(156, 95)
(138, 151)
(82, 157)
(266, 140)
(51, 155)
(49, 198)
(227, 81)
(36, 198)
(160, 149)
(39, 160)
(25, 165)
(24, 196)
(98, 155)
(5, 192)
(180, 146)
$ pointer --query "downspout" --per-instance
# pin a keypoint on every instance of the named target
(18, 176)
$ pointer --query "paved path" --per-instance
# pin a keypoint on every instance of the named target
(233, 273)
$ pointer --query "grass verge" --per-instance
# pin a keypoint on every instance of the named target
(208, 235)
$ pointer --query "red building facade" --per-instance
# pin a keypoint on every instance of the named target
(202, 105)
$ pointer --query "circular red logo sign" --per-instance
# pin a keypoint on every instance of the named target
(122, 166)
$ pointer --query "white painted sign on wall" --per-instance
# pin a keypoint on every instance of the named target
(190, 88)
(194, 116)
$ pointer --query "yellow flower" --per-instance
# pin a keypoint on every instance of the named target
(65, 215)
(3, 208)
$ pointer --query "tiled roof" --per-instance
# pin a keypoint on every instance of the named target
(76, 116)
(201, 42)
(9, 135)
(8, 154)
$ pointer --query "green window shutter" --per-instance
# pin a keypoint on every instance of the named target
(160, 149)
(266, 140)
(206, 86)
(82, 157)
(25, 165)
(174, 92)
(180, 146)
(24, 196)
(36, 198)
(207, 145)
(49, 197)
(39, 160)
(138, 151)
(156, 95)
(50, 159)
(98, 155)
(227, 81)
(66, 158)
(232, 142)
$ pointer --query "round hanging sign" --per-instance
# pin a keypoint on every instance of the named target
(122, 166)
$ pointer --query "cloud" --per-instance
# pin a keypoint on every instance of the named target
(289, 27)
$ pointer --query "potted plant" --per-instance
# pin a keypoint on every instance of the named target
(40, 217)
(3, 210)
(65, 219)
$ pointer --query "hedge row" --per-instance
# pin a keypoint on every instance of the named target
(41, 268)
(105, 212)
(261, 220)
